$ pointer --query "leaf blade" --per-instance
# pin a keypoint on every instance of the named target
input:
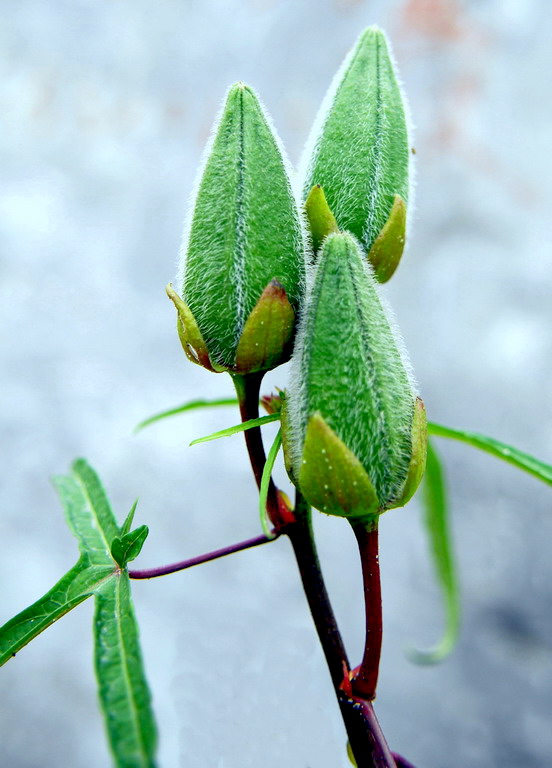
(265, 482)
(96, 498)
(189, 406)
(92, 522)
(245, 425)
(124, 692)
(500, 450)
(437, 525)
(71, 590)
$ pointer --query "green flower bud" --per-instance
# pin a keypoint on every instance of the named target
(359, 151)
(243, 259)
(354, 432)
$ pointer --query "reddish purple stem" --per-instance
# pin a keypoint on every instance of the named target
(163, 570)
(365, 677)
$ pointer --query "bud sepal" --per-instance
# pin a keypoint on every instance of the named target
(321, 219)
(266, 338)
(189, 334)
(385, 254)
(417, 465)
(332, 478)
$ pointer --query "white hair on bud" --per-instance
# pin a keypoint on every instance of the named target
(297, 401)
(376, 153)
(382, 326)
(192, 197)
(295, 221)
(410, 129)
(312, 144)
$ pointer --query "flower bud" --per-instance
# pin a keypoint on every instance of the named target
(359, 152)
(354, 433)
(242, 272)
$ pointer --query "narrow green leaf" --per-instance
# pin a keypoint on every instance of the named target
(192, 405)
(439, 534)
(128, 547)
(245, 425)
(498, 449)
(87, 511)
(127, 525)
(265, 481)
(124, 693)
(74, 587)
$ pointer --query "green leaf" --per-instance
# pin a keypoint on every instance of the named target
(88, 512)
(265, 481)
(124, 693)
(498, 449)
(74, 587)
(439, 534)
(127, 525)
(128, 547)
(245, 425)
(190, 406)
(91, 520)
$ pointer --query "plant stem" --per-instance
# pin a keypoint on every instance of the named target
(248, 389)
(163, 570)
(304, 548)
(365, 677)
(366, 738)
(365, 735)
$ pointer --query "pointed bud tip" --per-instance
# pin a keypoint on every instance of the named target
(275, 290)
(371, 33)
(240, 89)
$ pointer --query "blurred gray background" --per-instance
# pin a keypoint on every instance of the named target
(104, 110)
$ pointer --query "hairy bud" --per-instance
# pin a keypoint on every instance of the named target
(354, 432)
(359, 152)
(242, 273)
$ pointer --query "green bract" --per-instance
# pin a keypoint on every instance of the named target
(354, 432)
(359, 152)
(243, 256)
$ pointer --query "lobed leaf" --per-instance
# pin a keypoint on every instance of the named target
(124, 693)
